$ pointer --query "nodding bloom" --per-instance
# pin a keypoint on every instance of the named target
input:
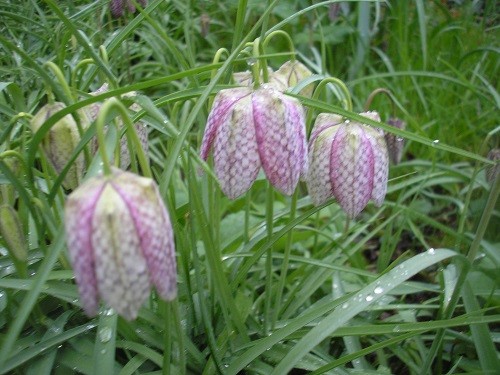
(120, 242)
(118, 7)
(395, 143)
(140, 128)
(250, 128)
(290, 74)
(61, 140)
(348, 160)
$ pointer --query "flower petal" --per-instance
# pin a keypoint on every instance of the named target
(381, 164)
(155, 232)
(79, 210)
(351, 168)
(223, 102)
(318, 179)
(236, 157)
(121, 269)
(279, 121)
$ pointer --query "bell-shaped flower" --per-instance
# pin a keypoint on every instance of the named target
(140, 128)
(248, 129)
(290, 74)
(348, 160)
(61, 140)
(120, 242)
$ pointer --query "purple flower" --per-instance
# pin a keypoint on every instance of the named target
(348, 160)
(252, 128)
(120, 242)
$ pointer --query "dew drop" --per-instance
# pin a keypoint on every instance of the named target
(345, 305)
(369, 298)
(378, 290)
(396, 329)
(105, 334)
(103, 351)
(431, 251)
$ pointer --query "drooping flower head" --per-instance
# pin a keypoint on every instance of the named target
(120, 242)
(395, 143)
(61, 140)
(140, 128)
(250, 128)
(348, 160)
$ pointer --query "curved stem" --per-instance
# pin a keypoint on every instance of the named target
(62, 81)
(81, 64)
(256, 63)
(217, 58)
(347, 102)
(374, 93)
(132, 137)
(287, 37)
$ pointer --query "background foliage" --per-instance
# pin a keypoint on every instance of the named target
(411, 287)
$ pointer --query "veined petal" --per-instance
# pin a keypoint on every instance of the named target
(120, 267)
(381, 164)
(154, 229)
(352, 168)
(323, 121)
(236, 157)
(79, 210)
(318, 179)
(223, 102)
(277, 120)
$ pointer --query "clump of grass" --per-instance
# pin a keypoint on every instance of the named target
(410, 287)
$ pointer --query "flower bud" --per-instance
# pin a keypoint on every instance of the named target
(249, 129)
(120, 242)
(395, 143)
(61, 140)
(290, 74)
(348, 160)
(12, 233)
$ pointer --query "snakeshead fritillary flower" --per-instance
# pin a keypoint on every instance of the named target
(61, 140)
(348, 160)
(120, 241)
(253, 128)
(290, 74)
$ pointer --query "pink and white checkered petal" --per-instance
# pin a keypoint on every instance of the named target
(372, 115)
(221, 109)
(381, 164)
(296, 125)
(318, 180)
(79, 210)
(236, 157)
(121, 270)
(324, 121)
(275, 140)
(155, 232)
(351, 169)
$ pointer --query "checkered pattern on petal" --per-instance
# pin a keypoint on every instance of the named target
(79, 211)
(277, 122)
(318, 179)
(120, 267)
(221, 107)
(352, 168)
(154, 229)
(236, 157)
(381, 164)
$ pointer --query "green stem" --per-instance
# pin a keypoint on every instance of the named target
(132, 137)
(81, 64)
(269, 257)
(374, 93)
(286, 259)
(271, 35)
(167, 338)
(62, 81)
(256, 63)
(347, 102)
